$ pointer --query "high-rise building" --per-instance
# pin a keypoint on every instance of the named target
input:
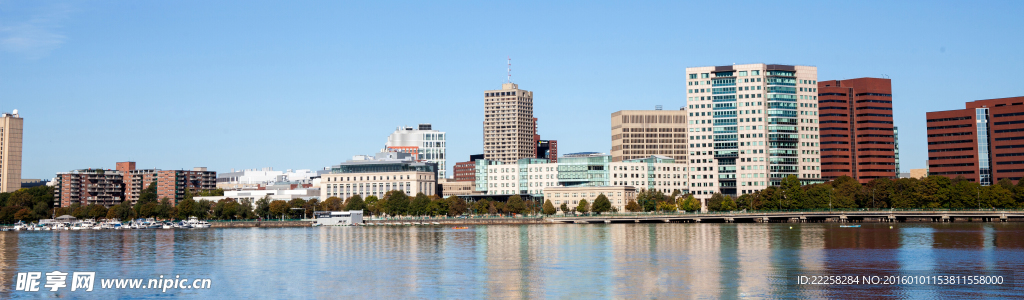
(981, 143)
(751, 126)
(508, 124)
(642, 133)
(10, 151)
(857, 134)
(89, 186)
(424, 143)
(548, 149)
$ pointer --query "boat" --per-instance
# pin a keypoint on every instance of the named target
(196, 223)
(850, 226)
(20, 226)
(460, 227)
(76, 226)
(166, 225)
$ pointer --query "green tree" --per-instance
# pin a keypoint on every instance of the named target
(792, 193)
(632, 206)
(564, 207)
(374, 205)
(418, 206)
(515, 204)
(187, 208)
(846, 192)
(583, 207)
(333, 204)
(148, 194)
(355, 203)
(728, 204)
(690, 204)
(601, 204)
(396, 203)
(456, 206)
(549, 209)
(482, 206)
(263, 207)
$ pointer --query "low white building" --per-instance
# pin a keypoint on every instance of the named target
(338, 218)
(274, 194)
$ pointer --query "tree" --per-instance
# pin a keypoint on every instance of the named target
(23, 214)
(846, 192)
(792, 193)
(549, 209)
(632, 206)
(187, 209)
(333, 204)
(690, 204)
(482, 206)
(728, 204)
(456, 206)
(278, 208)
(396, 203)
(601, 204)
(148, 194)
(515, 204)
(355, 203)
(564, 207)
(263, 207)
(96, 211)
(583, 207)
(418, 206)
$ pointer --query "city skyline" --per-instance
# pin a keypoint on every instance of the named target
(155, 85)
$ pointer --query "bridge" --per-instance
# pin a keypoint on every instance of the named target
(837, 216)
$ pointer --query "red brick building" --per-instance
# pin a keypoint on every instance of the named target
(856, 128)
(465, 171)
(983, 143)
(89, 186)
(110, 187)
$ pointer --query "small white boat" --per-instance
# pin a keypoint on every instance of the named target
(20, 226)
(196, 223)
(850, 226)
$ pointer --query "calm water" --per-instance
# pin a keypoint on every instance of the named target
(538, 261)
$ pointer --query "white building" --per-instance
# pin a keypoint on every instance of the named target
(534, 176)
(751, 126)
(424, 143)
(338, 218)
(255, 178)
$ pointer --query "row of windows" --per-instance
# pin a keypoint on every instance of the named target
(949, 119)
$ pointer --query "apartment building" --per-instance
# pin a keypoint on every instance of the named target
(533, 176)
(89, 186)
(424, 143)
(750, 126)
(387, 171)
(982, 142)
(508, 124)
(857, 134)
(640, 134)
(11, 126)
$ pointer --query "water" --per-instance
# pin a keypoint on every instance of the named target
(530, 261)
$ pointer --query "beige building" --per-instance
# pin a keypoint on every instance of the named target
(451, 187)
(751, 126)
(640, 134)
(10, 151)
(387, 171)
(619, 196)
(918, 173)
(508, 124)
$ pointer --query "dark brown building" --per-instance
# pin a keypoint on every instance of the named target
(983, 143)
(856, 128)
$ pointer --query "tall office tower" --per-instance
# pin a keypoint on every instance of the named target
(640, 134)
(10, 151)
(508, 124)
(981, 143)
(424, 143)
(857, 134)
(751, 126)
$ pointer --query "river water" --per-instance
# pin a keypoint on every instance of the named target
(599, 261)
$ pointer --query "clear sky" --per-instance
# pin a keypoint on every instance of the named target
(304, 85)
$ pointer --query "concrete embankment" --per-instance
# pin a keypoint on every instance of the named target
(266, 224)
(468, 221)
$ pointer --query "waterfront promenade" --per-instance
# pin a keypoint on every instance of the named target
(810, 216)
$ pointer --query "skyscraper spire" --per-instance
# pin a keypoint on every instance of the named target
(509, 69)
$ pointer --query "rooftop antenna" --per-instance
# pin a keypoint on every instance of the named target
(509, 69)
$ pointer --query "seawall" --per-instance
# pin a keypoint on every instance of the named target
(266, 224)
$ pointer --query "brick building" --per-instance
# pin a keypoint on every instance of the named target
(110, 187)
(856, 128)
(983, 142)
(466, 171)
(89, 186)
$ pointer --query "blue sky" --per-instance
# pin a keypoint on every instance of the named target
(303, 85)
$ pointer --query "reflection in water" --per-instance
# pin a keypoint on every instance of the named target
(533, 261)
